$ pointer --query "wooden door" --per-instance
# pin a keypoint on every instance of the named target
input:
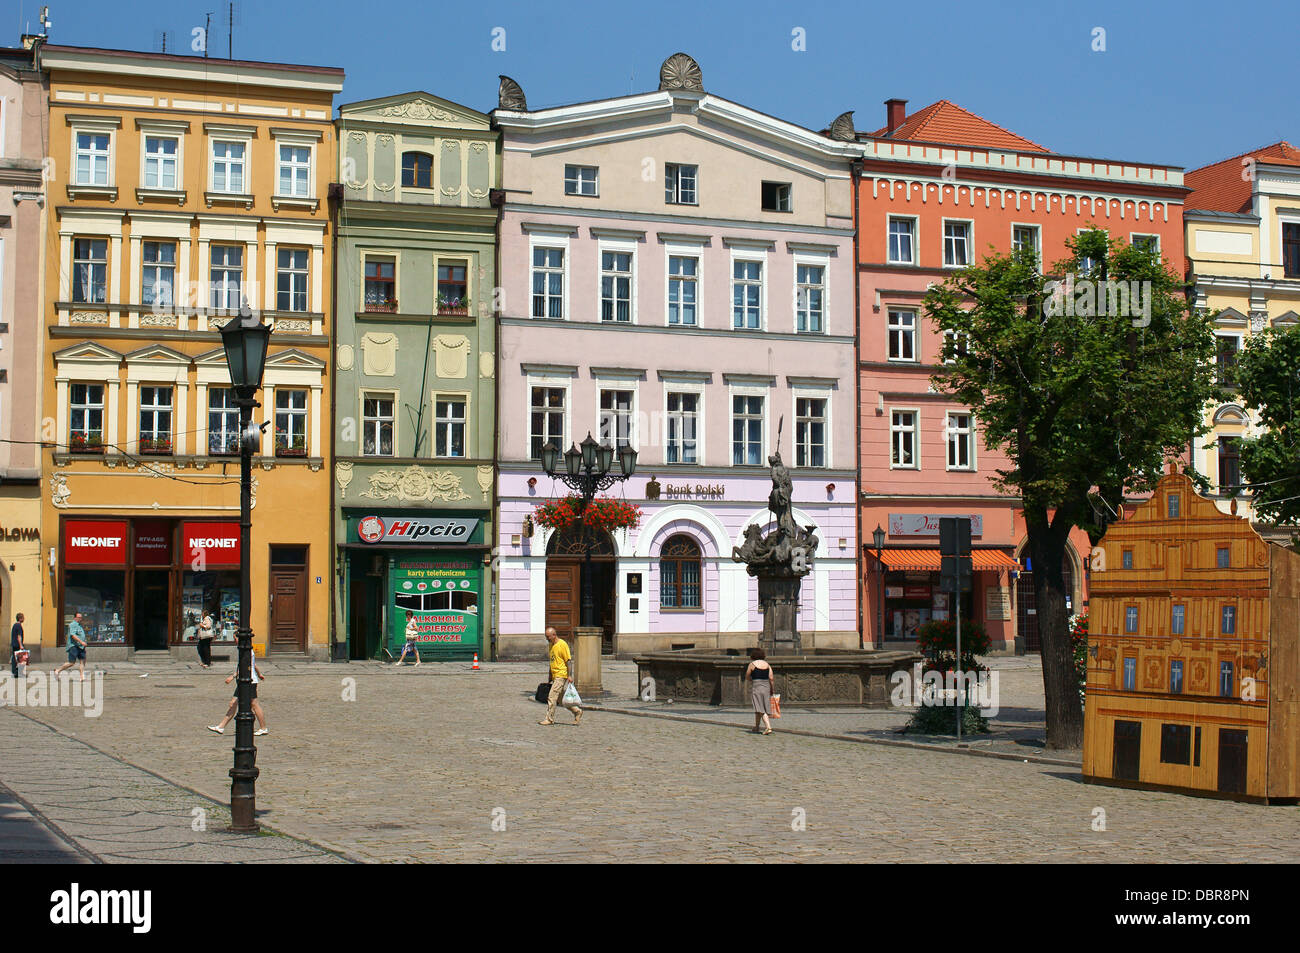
(1128, 750)
(288, 610)
(1232, 761)
(563, 596)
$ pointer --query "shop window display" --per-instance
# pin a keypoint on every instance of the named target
(100, 597)
(216, 593)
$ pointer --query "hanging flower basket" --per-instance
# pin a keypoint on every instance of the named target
(602, 512)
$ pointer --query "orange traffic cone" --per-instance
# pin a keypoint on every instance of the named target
(474, 667)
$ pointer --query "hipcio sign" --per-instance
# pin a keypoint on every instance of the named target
(402, 529)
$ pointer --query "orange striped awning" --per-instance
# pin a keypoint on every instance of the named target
(982, 560)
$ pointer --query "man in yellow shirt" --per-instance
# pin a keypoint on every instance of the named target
(560, 677)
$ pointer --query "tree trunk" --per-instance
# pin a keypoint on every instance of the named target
(1060, 683)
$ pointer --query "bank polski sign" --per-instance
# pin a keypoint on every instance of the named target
(379, 530)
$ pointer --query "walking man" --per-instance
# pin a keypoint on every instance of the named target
(76, 648)
(15, 643)
(560, 677)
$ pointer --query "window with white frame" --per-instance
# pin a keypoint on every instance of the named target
(228, 166)
(1025, 238)
(810, 432)
(86, 418)
(616, 286)
(449, 426)
(747, 294)
(903, 438)
(291, 279)
(223, 422)
(1148, 243)
(776, 196)
(160, 162)
(294, 177)
(91, 159)
(902, 241)
(746, 430)
(580, 180)
(290, 422)
(90, 270)
(157, 273)
(810, 290)
(956, 342)
(226, 277)
(377, 424)
(615, 418)
(680, 184)
(961, 447)
(155, 419)
(547, 419)
(548, 282)
(902, 335)
(956, 244)
(683, 289)
(683, 421)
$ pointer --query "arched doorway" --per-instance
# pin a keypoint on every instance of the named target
(1026, 605)
(565, 556)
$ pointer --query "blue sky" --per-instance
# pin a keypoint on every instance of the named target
(1183, 83)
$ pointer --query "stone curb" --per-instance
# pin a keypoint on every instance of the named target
(920, 746)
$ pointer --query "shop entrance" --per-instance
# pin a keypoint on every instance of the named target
(366, 605)
(150, 609)
(1027, 608)
(564, 562)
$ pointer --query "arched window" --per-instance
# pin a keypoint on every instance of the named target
(679, 574)
(417, 170)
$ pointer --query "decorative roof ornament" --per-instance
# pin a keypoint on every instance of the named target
(842, 128)
(510, 95)
(681, 72)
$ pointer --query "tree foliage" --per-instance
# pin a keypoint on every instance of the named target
(1268, 374)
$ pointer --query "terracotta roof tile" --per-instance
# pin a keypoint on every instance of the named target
(1221, 187)
(947, 122)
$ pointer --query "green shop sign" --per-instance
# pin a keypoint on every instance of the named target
(445, 593)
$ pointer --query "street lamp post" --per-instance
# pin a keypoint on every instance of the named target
(878, 537)
(245, 340)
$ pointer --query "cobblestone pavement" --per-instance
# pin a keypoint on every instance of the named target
(422, 765)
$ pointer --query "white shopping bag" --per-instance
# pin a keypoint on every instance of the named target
(571, 695)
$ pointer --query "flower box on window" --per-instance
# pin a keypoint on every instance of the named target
(290, 447)
(453, 305)
(385, 306)
(86, 441)
(156, 445)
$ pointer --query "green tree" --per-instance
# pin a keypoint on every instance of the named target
(1269, 380)
(1086, 389)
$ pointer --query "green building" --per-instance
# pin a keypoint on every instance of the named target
(414, 393)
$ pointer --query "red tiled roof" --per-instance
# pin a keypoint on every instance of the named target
(948, 123)
(1221, 187)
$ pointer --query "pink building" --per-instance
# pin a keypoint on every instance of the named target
(678, 274)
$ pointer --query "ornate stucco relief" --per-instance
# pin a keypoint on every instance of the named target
(452, 352)
(343, 476)
(345, 356)
(486, 364)
(379, 354)
(415, 484)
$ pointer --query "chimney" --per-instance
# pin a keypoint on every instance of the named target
(895, 111)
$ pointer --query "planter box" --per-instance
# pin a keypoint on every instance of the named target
(290, 453)
(382, 308)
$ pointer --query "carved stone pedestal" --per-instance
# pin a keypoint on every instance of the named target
(586, 658)
(779, 597)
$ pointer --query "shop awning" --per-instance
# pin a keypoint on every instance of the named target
(982, 560)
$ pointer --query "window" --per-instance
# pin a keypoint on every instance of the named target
(158, 273)
(810, 290)
(90, 270)
(1173, 506)
(956, 244)
(160, 162)
(1222, 557)
(616, 286)
(961, 431)
(417, 170)
(746, 430)
(1148, 243)
(548, 282)
(776, 196)
(747, 294)
(86, 422)
(1176, 676)
(956, 346)
(1175, 744)
(902, 236)
(291, 279)
(381, 284)
(1291, 249)
(91, 159)
(547, 419)
(679, 184)
(1126, 559)
(1229, 466)
(290, 423)
(679, 573)
(1229, 347)
(453, 287)
(155, 419)
(810, 432)
(902, 435)
(226, 277)
(683, 289)
(295, 171)
(683, 419)
(1229, 620)
(223, 422)
(580, 180)
(615, 418)
(377, 425)
(1025, 238)
(1131, 619)
(1177, 619)
(902, 335)
(449, 427)
(1130, 673)
(227, 166)
(1227, 683)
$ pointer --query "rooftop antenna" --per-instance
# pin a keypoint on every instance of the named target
(207, 32)
(45, 21)
(233, 19)
(164, 40)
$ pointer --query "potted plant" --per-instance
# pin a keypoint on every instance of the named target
(286, 446)
(450, 304)
(86, 441)
(159, 445)
(386, 303)
(603, 512)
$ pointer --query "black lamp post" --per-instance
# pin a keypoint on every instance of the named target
(586, 471)
(878, 537)
(245, 343)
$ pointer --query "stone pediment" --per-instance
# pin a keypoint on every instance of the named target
(416, 109)
(294, 359)
(157, 354)
(88, 352)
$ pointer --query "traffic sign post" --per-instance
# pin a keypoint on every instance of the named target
(955, 578)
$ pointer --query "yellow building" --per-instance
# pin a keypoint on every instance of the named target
(184, 189)
(1243, 249)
